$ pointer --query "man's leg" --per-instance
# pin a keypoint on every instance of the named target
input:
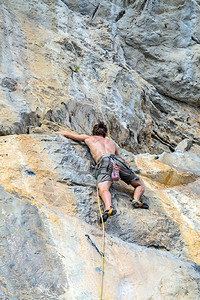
(139, 189)
(105, 193)
(138, 192)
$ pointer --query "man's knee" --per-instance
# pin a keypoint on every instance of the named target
(102, 189)
(105, 185)
(138, 183)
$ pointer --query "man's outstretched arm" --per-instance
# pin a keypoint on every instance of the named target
(73, 136)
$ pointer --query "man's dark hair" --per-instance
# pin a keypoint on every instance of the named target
(100, 129)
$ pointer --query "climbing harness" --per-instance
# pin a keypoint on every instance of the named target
(89, 239)
(103, 242)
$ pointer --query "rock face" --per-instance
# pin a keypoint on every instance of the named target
(49, 204)
(162, 43)
(70, 68)
(68, 64)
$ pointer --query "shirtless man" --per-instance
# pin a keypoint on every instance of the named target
(105, 153)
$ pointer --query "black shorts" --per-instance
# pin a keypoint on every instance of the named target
(105, 166)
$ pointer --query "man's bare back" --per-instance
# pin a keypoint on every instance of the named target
(99, 146)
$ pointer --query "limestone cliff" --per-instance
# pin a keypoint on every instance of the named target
(67, 64)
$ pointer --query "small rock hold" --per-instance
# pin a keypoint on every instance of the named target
(9, 83)
(30, 173)
(184, 145)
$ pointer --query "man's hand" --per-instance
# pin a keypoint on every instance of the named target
(73, 136)
(60, 132)
(126, 161)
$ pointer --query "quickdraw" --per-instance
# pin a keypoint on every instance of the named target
(89, 239)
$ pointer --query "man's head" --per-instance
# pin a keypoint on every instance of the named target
(100, 129)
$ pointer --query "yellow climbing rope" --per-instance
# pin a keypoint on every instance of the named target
(103, 242)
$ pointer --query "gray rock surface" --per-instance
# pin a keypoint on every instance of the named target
(66, 65)
(162, 43)
(73, 69)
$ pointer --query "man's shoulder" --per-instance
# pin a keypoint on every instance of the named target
(109, 140)
(89, 139)
(94, 137)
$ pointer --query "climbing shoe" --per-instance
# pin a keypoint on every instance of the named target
(139, 204)
(107, 214)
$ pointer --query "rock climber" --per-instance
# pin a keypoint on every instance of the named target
(105, 153)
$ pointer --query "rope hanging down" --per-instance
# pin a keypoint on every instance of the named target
(103, 242)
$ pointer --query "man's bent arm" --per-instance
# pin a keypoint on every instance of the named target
(117, 153)
(73, 136)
